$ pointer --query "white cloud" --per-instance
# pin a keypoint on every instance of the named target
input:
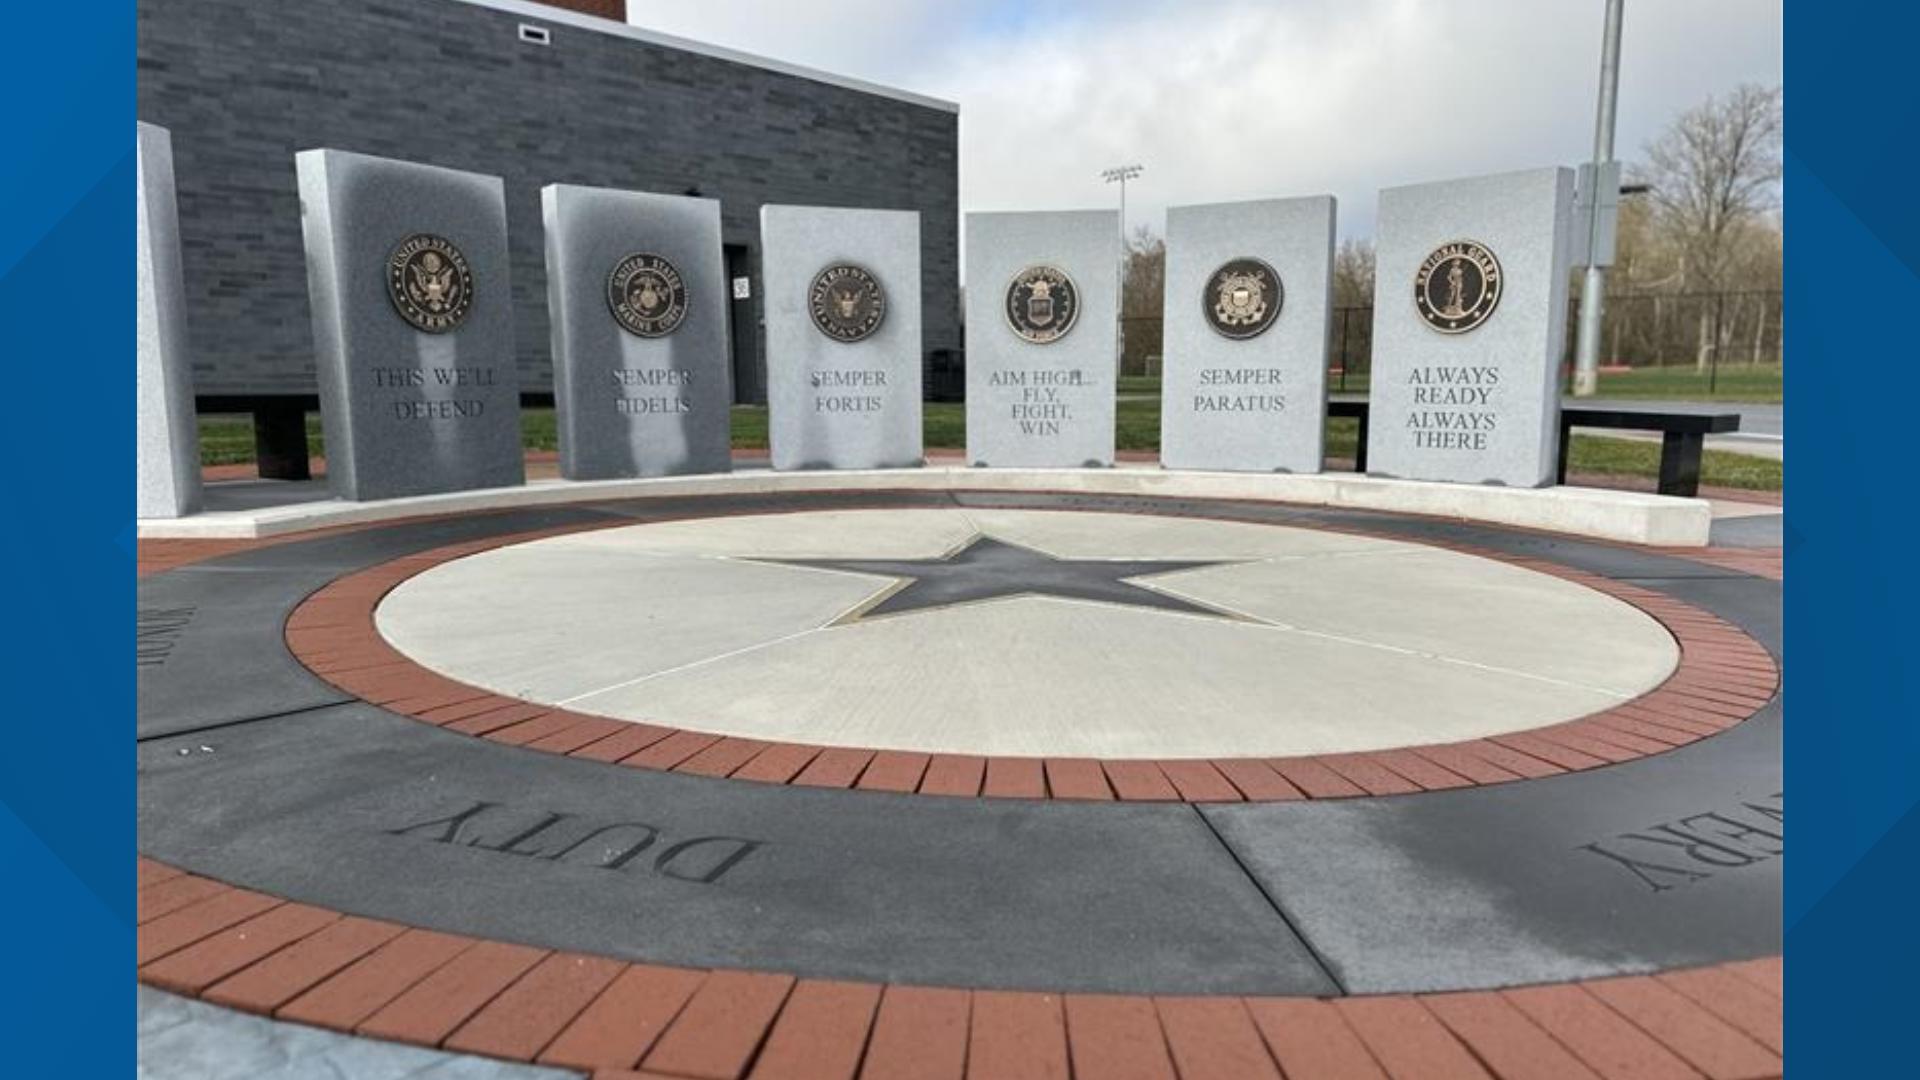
(1233, 99)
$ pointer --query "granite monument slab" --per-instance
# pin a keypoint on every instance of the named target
(412, 325)
(168, 469)
(1042, 344)
(1247, 306)
(1469, 327)
(637, 294)
(843, 336)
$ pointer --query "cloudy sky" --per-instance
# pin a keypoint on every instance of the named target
(1238, 99)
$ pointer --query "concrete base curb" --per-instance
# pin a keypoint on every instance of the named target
(1621, 516)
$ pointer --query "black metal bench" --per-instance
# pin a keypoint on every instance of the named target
(279, 429)
(1683, 434)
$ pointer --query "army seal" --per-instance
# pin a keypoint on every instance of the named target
(430, 283)
(1042, 304)
(1458, 286)
(846, 302)
(646, 295)
(1242, 298)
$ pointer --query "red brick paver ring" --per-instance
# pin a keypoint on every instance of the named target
(1723, 677)
(297, 962)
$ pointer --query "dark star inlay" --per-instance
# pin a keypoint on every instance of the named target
(988, 569)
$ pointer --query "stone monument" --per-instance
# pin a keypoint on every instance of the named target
(1469, 329)
(168, 469)
(843, 336)
(1247, 308)
(637, 295)
(412, 325)
(1042, 295)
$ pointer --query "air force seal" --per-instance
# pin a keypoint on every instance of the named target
(430, 283)
(1458, 286)
(1242, 298)
(646, 295)
(1042, 304)
(846, 302)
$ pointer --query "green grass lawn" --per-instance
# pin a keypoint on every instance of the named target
(1718, 468)
(229, 440)
(1762, 384)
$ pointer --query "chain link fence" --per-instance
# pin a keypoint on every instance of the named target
(1703, 331)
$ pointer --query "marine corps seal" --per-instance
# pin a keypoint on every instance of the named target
(430, 283)
(1042, 304)
(846, 302)
(1457, 287)
(646, 295)
(1242, 298)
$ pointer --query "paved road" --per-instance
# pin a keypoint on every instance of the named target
(1761, 419)
(1762, 427)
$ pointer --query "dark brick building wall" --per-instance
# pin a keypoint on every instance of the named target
(244, 84)
(606, 9)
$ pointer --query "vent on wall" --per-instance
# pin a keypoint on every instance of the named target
(535, 35)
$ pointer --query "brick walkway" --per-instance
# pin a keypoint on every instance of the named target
(250, 951)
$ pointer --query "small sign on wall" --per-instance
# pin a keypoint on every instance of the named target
(742, 288)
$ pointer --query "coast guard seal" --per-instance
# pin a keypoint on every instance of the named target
(1242, 298)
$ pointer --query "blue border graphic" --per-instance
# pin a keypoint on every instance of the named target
(66, 357)
(66, 321)
(1853, 735)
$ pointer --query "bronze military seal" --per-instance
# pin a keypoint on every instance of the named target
(1042, 304)
(430, 283)
(647, 296)
(1242, 298)
(1458, 286)
(846, 302)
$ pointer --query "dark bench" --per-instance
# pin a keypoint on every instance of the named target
(1683, 434)
(280, 426)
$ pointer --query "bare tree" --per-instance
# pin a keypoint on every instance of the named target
(1353, 274)
(1145, 272)
(1143, 283)
(1715, 174)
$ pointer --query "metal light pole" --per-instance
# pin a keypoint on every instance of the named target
(1120, 174)
(1601, 202)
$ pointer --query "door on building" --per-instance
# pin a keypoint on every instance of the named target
(749, 388)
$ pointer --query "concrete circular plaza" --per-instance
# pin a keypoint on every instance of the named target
(1222, 639)
(971, 784)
